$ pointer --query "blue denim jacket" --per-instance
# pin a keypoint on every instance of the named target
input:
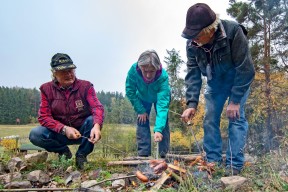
(232, 67)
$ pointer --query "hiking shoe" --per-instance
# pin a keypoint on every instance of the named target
(231, 171)
(80, 160)
(67, 153)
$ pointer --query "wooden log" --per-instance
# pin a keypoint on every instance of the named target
(160, 181)
(185, 158)
(128, 163)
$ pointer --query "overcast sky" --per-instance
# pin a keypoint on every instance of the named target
(103, 37)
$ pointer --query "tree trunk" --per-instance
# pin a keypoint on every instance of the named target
(268, 133)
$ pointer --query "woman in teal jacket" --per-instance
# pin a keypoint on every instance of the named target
(146, 84)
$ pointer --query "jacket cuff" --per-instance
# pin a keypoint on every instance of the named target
(235, 99)
(157, 130)
(59, 127)
(142, 111)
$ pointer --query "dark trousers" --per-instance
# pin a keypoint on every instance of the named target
(143, 134)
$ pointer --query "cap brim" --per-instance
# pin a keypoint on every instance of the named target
(190, 33)
(65, 66)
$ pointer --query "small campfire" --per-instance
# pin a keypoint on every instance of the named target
(158, 173)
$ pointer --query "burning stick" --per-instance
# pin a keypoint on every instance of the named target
(197, 160)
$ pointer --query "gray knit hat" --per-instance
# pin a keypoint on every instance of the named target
(149, 57)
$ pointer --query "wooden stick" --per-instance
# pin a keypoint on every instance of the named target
(38, 189)
(136, 158)
(127, 163)
(176, 168)
(112, 180)
(174, 175)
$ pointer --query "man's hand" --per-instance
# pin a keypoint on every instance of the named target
(142, 118)
(72, 133)
(188, 114)
(95, 134)
(232, 111)
(158, 136)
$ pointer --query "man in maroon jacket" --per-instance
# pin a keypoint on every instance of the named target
(69, 109)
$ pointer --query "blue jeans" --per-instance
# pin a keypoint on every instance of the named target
(143, 135)
(56, 142)
(237, 130)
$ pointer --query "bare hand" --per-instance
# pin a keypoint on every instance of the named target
(72, 133)
(95, 134)
(232, 111)
(188, 114)
(158, 136)
(142, 118)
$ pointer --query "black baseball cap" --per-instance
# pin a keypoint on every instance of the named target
(199, 16)
(62, 61)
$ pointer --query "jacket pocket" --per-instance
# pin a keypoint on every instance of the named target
(202, 63)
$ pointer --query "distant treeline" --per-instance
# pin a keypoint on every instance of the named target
(21, 105)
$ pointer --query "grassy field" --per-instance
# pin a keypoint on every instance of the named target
(122, 137)
(21, 130)
(24, 130)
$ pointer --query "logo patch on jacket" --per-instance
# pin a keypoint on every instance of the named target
(79, 105)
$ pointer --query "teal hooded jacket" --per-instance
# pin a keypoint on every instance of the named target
(156, 92)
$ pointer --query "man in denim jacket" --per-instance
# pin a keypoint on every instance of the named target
(218, 49)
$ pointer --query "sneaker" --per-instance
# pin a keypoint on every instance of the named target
(231, 171)
(80, 160)
(67, 153)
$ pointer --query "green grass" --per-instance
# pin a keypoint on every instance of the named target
(24, 130)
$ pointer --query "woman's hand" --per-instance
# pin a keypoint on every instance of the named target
(142, 118)
(158, 136)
